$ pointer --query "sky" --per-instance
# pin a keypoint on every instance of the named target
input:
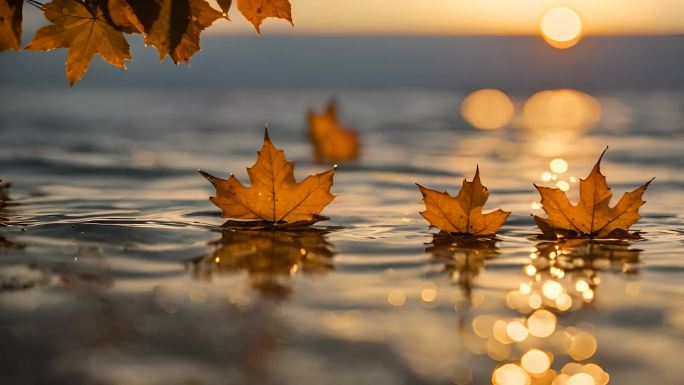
(466, 17)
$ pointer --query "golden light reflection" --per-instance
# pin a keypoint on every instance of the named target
(580, 372)
(558, 166)
(581, 379)
(561, 27)
(580, 346)
(563, 185)
(428, 294)
(542, 323)
(510, 374)
(517, 331)
(396, 298)
(535, 361)
(554, 119)
(487, 109)
(560, 276)
(561, 113)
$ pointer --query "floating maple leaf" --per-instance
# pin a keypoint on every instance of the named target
(10, 24)
(592, 216)
(85, 32)
(274, 196)
(462, 214)
(257, 10)
(332, 142)
(267, 256)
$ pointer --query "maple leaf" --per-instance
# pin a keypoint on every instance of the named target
(257, 10)
(332, 142)
(177, 30)
(10, 24)
(274, 196)
(224, 5)
(267, 256)
(124, 15)
(84, 33)
(592, 216)
(462, 214)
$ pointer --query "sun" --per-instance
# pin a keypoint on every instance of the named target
(561, 27)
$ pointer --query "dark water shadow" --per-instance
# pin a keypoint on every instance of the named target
(587, 257)
(269, 257)
(462, 257)
(4, 198)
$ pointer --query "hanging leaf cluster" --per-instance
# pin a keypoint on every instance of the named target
(89, 27)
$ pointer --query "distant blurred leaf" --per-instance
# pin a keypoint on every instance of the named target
(177, 30)
(266, 256)
(592, 216)
(332, 142)
(274, 196)
(462, 214)
(257, 10)
(84, 33)
(10, 24)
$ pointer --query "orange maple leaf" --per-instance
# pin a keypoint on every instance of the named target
(84, 33)
(257, 10)
(462, 214)
(332, 142)
(10, 24)
(592, 216)
(274, 196)
(177, 30)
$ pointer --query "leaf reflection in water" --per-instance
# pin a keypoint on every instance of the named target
(562, 277)
(267, 256)
(463, 257)
(3, 192)
(3, 200)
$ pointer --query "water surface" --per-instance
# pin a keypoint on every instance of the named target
(115, 270)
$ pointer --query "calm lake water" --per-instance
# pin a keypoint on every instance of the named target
(114, 268)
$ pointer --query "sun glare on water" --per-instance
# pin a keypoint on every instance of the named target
(561, 27)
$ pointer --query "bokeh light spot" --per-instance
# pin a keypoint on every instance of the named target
(516, 331)
(581, 379)
(560, 115)
(396, 298)
(558, 165)
(535, 361)
(510, 374)
(487, 109)
(542, 323)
